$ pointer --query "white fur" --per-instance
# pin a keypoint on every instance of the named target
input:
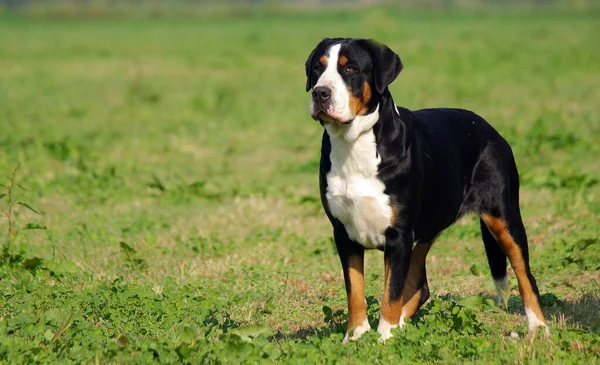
(533, 322)
(354, 193)
(502, 291)
(401, 322)
(357, 332)
(385, 329)
(331, 78)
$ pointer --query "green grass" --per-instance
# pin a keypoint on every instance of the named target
(175, 164)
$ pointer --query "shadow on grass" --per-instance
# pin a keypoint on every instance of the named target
(335, 323)
(583, 313)
(334, 327)
(304, 333)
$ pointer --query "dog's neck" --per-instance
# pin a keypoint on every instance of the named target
(385, 121)
(394, 126)
(350, 132)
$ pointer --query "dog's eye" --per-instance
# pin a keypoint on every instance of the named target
(350, 70)
(318, 67)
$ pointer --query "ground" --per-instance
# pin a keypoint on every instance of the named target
(174, 166)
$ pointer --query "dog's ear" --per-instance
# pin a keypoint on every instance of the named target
(326, 42)
(308, 66)
(386, 63)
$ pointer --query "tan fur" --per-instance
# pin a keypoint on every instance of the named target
(357, 306)
(358, 104)
(497, 227)
(323, 60)
(390, 310)
(343, 61)
(412, 292)
(395, 213)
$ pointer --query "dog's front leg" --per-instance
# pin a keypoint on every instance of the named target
(397, 253)
(352, 257)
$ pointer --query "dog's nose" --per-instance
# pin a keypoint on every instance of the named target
(321, 94)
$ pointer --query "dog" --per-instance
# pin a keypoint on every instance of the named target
(392, 179)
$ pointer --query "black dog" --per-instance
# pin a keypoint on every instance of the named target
(393, 179)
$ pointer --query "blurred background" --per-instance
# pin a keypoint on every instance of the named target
(168, 149)
(100, 8)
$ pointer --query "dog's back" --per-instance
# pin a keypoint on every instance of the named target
(463, 160)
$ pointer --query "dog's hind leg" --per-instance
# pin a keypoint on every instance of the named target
(495, 196)
(510, 233)
(497, 261)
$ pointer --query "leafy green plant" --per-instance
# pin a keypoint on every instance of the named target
(450, 317)
(332, 318)
(12, 199)
(131, 258)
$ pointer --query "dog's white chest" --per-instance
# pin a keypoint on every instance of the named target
(355, 195)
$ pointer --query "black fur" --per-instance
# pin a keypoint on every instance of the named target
(436, 164)
(386, 63)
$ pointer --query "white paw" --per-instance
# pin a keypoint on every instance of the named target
(385, 329)
(357, 332)
(533, 322)
(502, 291)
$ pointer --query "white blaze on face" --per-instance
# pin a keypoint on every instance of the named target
(339, 109)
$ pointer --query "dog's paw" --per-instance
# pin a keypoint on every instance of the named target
(533, 323)
(353, 335)
(502, 292)
(385, 329)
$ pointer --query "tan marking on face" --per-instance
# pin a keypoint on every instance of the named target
(357, 306)
(323, 60)
(358, 104)
(366, 96)
(343, 61)
(390, 309)
(498, 228)
(355, 103)
(412, 291)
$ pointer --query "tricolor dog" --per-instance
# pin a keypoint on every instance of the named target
(392, 179)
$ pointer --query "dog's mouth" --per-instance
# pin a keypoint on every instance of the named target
(323, 117)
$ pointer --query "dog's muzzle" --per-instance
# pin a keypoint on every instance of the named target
(321, 97)
(322, 109)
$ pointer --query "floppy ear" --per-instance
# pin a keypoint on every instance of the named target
(308, 66)
(386, 63)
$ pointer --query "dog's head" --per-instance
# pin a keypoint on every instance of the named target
(347, 77)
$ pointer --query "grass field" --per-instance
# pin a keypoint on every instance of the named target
(174, 164)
